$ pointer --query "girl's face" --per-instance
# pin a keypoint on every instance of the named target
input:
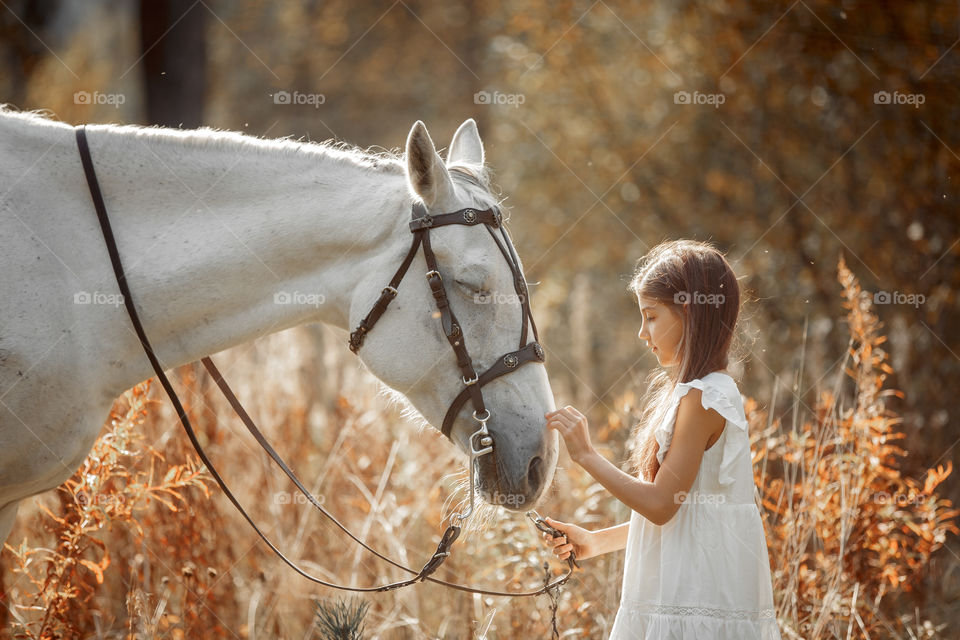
(661, 329)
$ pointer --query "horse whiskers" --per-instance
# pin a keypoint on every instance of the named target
(407, 410)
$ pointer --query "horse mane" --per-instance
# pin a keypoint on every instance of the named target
(373, 158)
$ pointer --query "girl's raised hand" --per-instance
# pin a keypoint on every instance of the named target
(572, 425)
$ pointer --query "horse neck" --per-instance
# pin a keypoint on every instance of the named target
(226, 240)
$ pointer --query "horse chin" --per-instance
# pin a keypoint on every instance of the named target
(500, 499)
(491, 489)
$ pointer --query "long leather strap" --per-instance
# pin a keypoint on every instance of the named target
(449, 536)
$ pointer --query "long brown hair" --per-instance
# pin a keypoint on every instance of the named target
(673, 273)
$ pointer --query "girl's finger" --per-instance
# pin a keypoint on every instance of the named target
(568, 422)
(556, 413)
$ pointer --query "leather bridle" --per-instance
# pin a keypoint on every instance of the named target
(420, 225)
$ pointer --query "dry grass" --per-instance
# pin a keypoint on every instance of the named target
(135, 545)
(845, 529)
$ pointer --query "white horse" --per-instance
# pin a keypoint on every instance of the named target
(224, 238)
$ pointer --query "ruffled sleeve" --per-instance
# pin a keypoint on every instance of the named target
(721, 396)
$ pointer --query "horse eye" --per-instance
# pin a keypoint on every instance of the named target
(472, 289)
(466, 285)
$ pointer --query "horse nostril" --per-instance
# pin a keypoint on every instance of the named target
(534, 473)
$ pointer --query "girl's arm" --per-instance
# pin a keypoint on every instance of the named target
(659, 500)
(638, 494)
(612, 538)
(585, 543)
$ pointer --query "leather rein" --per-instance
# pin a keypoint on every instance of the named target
(420, 225)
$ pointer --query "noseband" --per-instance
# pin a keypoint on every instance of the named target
(508, 363)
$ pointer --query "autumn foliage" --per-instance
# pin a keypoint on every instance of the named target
(845, 529)
(134, 545)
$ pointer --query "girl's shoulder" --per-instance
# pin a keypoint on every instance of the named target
(719, 391)
(717, 380)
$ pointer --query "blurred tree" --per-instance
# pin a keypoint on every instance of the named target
(802, 160)
(173, 40)
(23, 32)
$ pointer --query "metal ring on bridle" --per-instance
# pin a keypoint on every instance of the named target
(486, 444)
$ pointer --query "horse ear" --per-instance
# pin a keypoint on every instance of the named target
(425, 169)
(466, 146)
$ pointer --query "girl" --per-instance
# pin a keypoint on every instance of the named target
(696, 563)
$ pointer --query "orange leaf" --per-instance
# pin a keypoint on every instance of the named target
(95, 568)
(936, 477)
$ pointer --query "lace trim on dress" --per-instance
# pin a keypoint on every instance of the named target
(713, 396)
(678, 610)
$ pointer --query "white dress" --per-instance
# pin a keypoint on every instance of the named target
(704, 575)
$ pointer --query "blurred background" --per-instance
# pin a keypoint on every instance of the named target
(789, 134)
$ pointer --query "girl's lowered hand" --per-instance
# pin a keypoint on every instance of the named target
(576, 539)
